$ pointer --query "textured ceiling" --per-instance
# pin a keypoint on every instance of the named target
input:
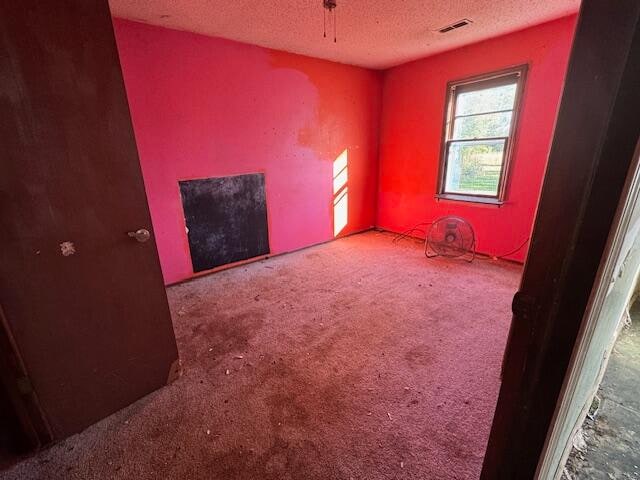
(371, 33)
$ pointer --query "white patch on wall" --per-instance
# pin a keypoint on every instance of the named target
(67, 248)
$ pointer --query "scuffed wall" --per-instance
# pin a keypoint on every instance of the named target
(206, 107)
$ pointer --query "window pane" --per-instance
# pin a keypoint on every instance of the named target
(474, 167)
(482, 126)
(486, 100)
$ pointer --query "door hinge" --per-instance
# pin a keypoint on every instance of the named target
(524, 305)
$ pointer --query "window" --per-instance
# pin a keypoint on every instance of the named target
(478, 136)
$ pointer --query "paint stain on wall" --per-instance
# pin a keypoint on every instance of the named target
(220, 108)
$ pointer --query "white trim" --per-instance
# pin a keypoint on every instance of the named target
(546, 469)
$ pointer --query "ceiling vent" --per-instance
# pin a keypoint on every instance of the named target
(453, 26)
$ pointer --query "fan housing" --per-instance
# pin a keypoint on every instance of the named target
(450, 237)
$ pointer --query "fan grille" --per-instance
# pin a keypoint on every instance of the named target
(450, 237)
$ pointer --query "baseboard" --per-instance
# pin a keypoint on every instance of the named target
(264, 257)
(485, 256)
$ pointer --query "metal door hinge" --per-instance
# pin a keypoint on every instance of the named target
(524, 305)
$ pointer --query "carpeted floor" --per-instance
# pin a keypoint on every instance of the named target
(358, 359)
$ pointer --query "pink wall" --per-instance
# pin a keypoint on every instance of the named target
(207, 107)
(411, 129)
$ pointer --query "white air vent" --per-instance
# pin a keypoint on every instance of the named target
(453, 26)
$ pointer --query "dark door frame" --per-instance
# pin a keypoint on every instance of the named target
(592, 151)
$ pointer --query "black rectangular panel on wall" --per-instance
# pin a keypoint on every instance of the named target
(226, 219)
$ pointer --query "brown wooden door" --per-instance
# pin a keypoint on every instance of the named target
(84, 301)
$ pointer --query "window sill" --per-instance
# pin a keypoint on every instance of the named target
(470, 199)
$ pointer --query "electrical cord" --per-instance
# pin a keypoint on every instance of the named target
(407, 233)
(499, 257)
